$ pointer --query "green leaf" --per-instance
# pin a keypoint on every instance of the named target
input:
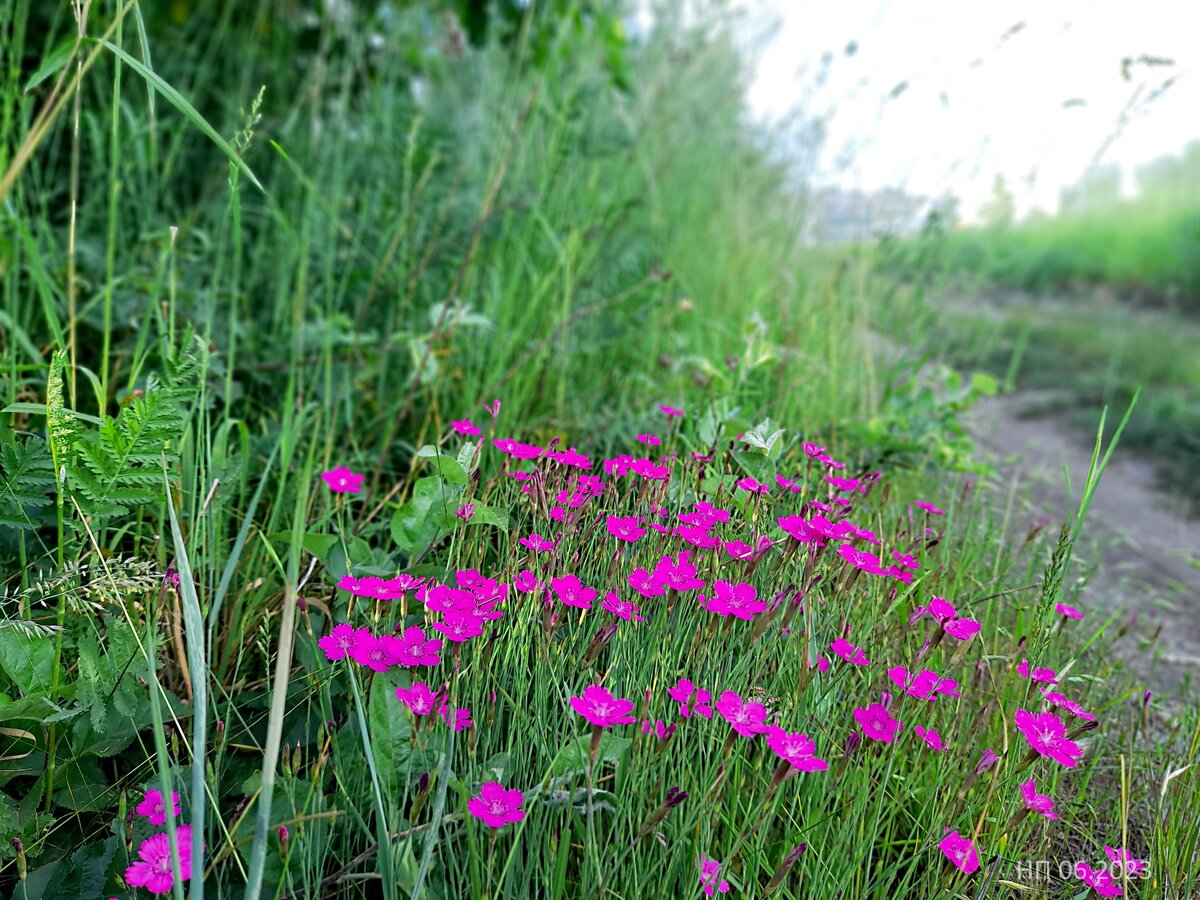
(26, 484)
(490, 515)
(28, 661)
(426, 517)
(387, 720)
(761, 468)
(573, 756)
(448, 467)
(53, 63)
(177, 100)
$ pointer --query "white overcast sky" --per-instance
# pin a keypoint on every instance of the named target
(980, 99)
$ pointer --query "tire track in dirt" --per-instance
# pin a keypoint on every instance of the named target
(1144, 545)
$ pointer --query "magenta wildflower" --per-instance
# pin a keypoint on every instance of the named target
(1069, 611)
(737, 600)
(861, 559)
(648, 584)
(339, 644)
(649, 440)
(788, 484)
(713, 513)
(1123, 862)
(670, 411)
(1045, 676)
(842, 484)
(622, 609)
(376, 653)
(465, 512)
(944, 612)
(753, 486)
(459, 720)
(683, 693)
(343, 481)
(960, 851)
(849, 652)
(153, 809)
(420, 698)
(464, 426)
(1098, 880)
(1041, 804)
(710, 877)
(906, 559)
(526, 582)
(678, 573)
(625, 528)
(1048, 736)
(930, 737)
(1056, 699)
(746, 718)
(572, 592)
(496, 806)
(814, 451)
(460, 626)
(601, 708)
(153, 870)
(877, 723)
(413, 649)
(537, 543)
(796, 749)
(924, 685)
(929, 508)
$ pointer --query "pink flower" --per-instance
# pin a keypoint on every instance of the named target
(1123, 862)
(737, 600)
(338, 644)
(670, 411)
(1045, 676)
(376, 653)
(1056, 699)
(537, 543)
(849, 652)
(420, 698)
(796, 749)
(1099, 881)
(677, 572)
(747, 719)
(1041, 804)
(710, 877)
(342, 481)
(944, 612)
(601, 708)
(682, 694)
(658, 728)
(906, 560)
(152, 806)
(960, 851)
(622, 609)
(813, 451)
(414, 650)
(929, 508)
(925, 685)
(460, 626)
(842, 484)
(460, 720)
(877, 723)
(153, 869)
(572, 592)
(649, 439)
(1048, 736)
(788, 484)
(752, 486)
(648, 584)
(861, 559)
(625, 528)
(465, 511)
(1069, 611)
(526, 582)
(496, 806)
(930, 737)
(463, 426)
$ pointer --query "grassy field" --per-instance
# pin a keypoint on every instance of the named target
(445, 471)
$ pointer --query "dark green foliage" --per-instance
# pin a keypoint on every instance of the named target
(26, 481)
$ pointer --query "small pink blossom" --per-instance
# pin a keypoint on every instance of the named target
(678, 573)
(877, 723)
(339, 643)
(526, 582)
(747, 718)
(1047, 735)
(537, 543)
(960, 851)
(671, 411)
(796, 749)
(648, 584)
(849, 652)
(710, 877)
(930, 737)
(737, 600)
(1123, 862)
(413, 649)
(625, 528)
(1069, 611)
(601, 708)
(929, 508)
(459, 720)
(464, 426)
(683, 693)
(460, 626)
(753, 486)
(572, 592)
(376, 653)
(1044, 676)
(1098, 880)
(495, 806)
(465, 512)
(649, 440)
(153, 809)
(419, 698)
(153, 869)
(343, 481)
(924, 685)
(1056, 699)
(622, 609)
(1041, 804)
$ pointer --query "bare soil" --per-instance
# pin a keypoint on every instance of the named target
(1147, 548)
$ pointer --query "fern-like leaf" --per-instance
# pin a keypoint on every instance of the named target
(27, 480)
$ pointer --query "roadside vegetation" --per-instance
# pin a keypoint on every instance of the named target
(431, 466)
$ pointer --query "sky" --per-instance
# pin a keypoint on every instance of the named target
(1033, 90)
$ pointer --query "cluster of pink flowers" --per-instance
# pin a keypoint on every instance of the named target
(153, 869)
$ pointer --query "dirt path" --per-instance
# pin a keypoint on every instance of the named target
(1144, 544)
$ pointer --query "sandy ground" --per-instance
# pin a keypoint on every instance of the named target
(1143, 541)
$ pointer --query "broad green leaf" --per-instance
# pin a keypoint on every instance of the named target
(27, 661)
(490, 515)
(761, 468)
(447, 466)
(573, 756)
(425, 517)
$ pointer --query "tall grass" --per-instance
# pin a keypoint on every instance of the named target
(439, 228)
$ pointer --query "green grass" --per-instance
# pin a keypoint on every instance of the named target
(185, 354)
